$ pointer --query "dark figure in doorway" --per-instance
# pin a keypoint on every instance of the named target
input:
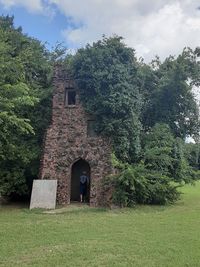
(84, 181)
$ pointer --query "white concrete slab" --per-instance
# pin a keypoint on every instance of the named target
(44, 194)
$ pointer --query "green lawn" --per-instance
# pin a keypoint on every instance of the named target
(81, 236)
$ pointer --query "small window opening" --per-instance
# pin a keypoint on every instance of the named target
(71, 97)
(91, 131)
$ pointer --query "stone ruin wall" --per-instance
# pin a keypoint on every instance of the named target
(66, 142)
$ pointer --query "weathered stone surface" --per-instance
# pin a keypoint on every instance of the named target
(43, 194)
(67, 141)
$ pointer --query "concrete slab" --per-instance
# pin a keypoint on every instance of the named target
(44, 194)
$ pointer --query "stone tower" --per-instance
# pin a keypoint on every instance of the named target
(72, 146)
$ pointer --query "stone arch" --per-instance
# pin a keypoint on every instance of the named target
(77, 167)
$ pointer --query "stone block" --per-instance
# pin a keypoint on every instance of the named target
(44, 194)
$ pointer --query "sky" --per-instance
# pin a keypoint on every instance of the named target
(151, 27)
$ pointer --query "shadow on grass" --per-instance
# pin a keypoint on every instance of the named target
(70, 209)
(78, 208)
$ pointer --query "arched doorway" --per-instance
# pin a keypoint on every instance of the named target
(77, 169)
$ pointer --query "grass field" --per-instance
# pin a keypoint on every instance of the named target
(145, 236)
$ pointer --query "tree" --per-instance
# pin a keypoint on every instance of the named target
(172, 101)
(156, 178)
(106, 73)
(24, 89)
(192, 153)
(157, 149)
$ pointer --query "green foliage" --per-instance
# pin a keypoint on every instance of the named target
(114, 86)
(106, 74)
(169, 98)
(157, 149)
(164, 153)
(13, 182)
(155, 179)
(137, 184)
(192, 157)
(25, 77)
(192, 153)
(182, 170)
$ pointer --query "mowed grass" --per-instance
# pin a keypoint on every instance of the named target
(82, 236)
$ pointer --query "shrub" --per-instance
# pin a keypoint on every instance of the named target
(137, 184)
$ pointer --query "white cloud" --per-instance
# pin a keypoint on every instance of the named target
(32, 6)
(152, 27)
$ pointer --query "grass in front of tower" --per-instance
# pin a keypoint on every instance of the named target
(146, 236)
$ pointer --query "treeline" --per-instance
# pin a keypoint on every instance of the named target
(147, 110)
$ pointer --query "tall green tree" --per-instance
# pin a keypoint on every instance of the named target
(166, 154)
(157, 149)
(171, 99)
(106, 73)
(192, 152)
(24, 105)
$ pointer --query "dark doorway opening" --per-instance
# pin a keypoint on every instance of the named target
(78, 168)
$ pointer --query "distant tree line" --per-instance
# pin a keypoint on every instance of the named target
(147, 110)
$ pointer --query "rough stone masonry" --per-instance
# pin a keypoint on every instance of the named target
(67, 141)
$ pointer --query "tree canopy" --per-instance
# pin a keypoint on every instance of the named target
(106, 74)
(25, 85)
(171, 100)
(127, 95)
